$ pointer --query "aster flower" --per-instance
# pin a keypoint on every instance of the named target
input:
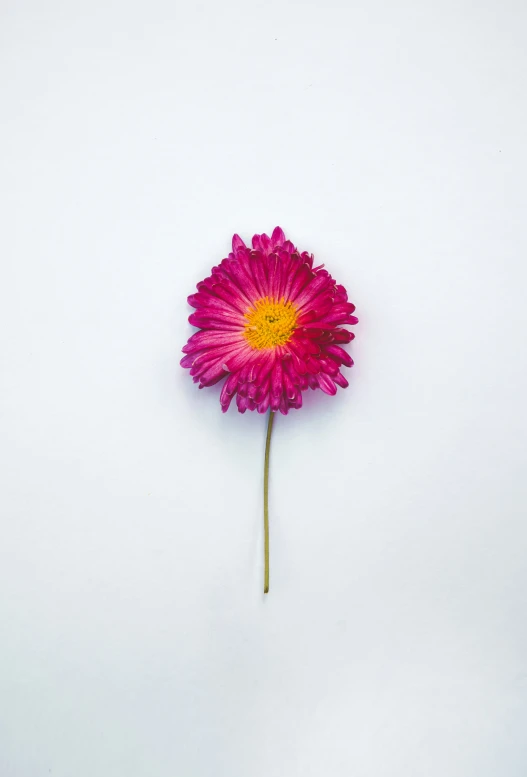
(273, 326)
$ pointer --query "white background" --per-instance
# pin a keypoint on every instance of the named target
(390, 140)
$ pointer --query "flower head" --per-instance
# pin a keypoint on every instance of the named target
(272, 324)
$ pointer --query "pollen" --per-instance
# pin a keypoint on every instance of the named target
(270, 323)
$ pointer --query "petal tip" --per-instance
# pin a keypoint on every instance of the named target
(278, 236)
(237, 243)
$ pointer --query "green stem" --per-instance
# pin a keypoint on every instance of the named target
(266, 501)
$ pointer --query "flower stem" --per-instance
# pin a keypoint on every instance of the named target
(266, 501)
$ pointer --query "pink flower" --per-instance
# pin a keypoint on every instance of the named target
(272, 324)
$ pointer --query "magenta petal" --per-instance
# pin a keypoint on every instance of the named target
(342, 335)
(212, 376)
(266, 243)
(259, 274)
(298, 363)
(206, 338)
(278, 237)
(276, 380)
(309, 346)
(263, 406)
(302, 278)
(243, 281)
(326, 384)
(266, 362)
(263, 390)
(214, 307)
(252, 390)
(311, 290)
(221, 354)
(328, 366)
(290, 389)
(275, 403)
(342, 356)
(231, 383)
(312, 381)
(341, 295)
(275, 276)
(237, 243)
(242, 403)
(295, 265)
(313, 334)
(289, 370)
(240, 359)
(220, 298)
(229, 293)
(225, 404)
(313, 365)
(214, 321)
(340, 380)
(288, 266)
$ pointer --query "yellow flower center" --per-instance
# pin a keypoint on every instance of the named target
(270, 323)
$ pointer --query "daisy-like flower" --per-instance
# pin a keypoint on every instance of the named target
(272, 324)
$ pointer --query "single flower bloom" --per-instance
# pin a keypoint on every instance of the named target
(272, 324)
